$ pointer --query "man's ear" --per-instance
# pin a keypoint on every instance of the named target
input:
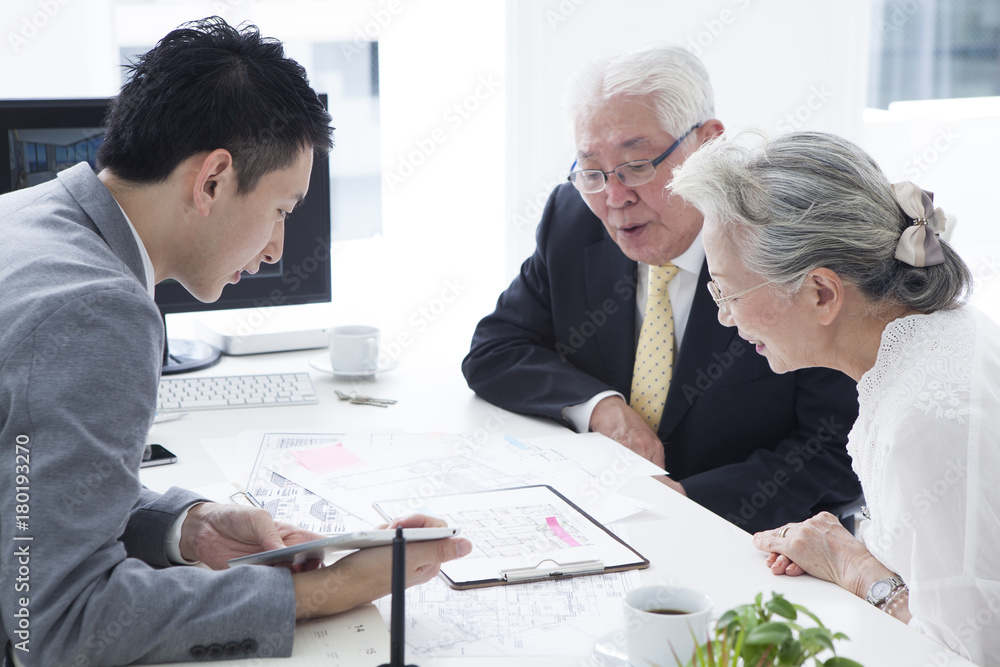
(214, 176)
(710, 129)
(826, 294)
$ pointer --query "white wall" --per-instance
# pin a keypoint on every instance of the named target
(57, 48)
(949, 148)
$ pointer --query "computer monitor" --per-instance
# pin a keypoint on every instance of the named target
(43, 137)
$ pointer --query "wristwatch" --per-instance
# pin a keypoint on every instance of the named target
(880, 591)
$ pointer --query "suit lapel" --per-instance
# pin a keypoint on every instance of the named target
(104, 212)
(610, 280)
(702, 336)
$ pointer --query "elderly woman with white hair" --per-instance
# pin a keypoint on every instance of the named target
(819, 261)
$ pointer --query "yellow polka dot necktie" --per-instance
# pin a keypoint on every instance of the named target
(654, 356)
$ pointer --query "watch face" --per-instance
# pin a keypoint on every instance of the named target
(880, 589)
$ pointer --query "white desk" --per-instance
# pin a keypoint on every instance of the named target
(686, 544)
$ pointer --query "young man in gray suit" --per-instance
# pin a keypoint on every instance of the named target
(208, 147)
(756, 448)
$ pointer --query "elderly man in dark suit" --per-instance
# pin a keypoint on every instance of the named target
(609, 327)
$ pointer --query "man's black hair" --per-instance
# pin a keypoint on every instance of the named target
(205, 86)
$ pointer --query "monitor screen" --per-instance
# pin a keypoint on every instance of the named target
(43, 137)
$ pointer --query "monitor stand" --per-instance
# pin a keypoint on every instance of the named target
(181, 355)
(266, 329)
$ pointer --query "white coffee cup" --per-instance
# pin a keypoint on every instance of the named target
(662, 617)
(354, 348)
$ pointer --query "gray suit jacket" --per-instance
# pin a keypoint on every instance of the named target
(85, 579)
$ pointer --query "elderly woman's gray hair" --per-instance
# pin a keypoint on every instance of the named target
(809, 199)
(675, 82)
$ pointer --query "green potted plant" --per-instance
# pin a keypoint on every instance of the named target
(769, 634)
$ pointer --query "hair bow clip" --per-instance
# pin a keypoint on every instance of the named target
(917, 246)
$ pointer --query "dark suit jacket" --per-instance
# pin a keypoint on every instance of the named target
(757, 448)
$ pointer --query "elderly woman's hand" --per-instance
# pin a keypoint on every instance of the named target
(822, 547)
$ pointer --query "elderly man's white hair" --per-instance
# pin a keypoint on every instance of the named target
(668, 78)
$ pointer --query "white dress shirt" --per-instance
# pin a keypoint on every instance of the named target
(147, 263)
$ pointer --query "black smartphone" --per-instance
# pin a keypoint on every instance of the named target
(157, 455)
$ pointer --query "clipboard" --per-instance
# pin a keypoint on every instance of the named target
(521, 534)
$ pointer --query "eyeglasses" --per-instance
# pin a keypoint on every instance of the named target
(723, 301)
(631, 174)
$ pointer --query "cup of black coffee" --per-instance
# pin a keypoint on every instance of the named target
(662, 621)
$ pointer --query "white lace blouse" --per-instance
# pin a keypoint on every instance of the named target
(926, 447)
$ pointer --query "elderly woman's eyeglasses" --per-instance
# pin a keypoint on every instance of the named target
(723, 301)
(631, 174)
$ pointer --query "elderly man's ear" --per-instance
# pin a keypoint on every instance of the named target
(826, 294)
(710, 129)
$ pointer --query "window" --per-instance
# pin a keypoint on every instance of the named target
(934, 49)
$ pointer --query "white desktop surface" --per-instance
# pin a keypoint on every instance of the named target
(686, 544)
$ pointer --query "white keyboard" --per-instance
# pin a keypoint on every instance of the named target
(234, 391)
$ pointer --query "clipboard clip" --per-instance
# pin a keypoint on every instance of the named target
(515, 574)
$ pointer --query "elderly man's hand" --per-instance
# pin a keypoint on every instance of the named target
(614, 418)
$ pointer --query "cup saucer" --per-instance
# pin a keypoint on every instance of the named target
(322, 364)
(608, 653)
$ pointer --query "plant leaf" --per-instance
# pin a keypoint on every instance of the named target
(747, 635)
(782, 607)
(791, 653)
(738, 649)
(728, 619)
(838, 661)
(772, 632)
(811, 615)
(817, 639)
